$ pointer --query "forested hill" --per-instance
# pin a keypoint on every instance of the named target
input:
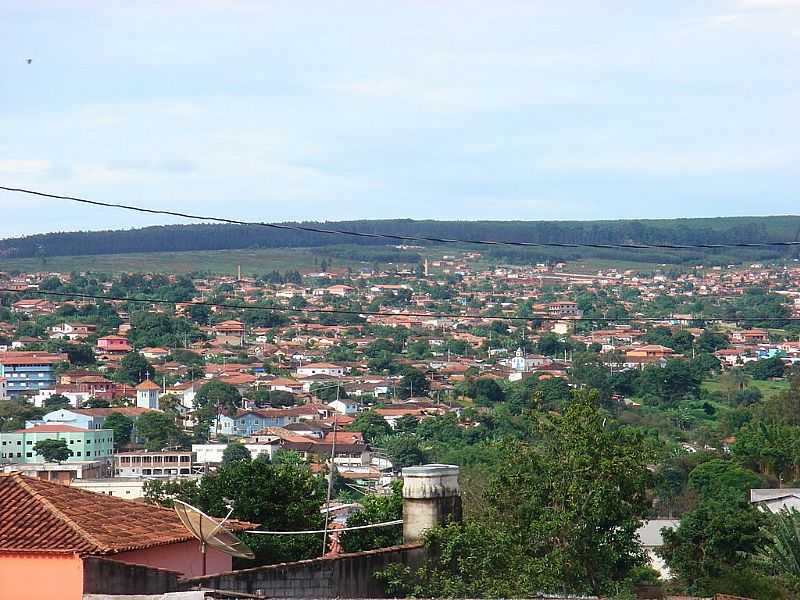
(218, 237)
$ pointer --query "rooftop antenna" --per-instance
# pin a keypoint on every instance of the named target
(211, 532)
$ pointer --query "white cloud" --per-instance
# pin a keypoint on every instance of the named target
(24, 167)
(769, 3)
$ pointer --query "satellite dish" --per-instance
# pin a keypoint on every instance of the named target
(211, 532)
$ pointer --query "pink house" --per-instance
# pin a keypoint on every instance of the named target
(113, 344)
(49, 529)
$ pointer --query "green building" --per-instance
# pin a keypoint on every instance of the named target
(86, 444)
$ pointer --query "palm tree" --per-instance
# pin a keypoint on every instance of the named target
(781, 554)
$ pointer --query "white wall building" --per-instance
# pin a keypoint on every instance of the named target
(147, 394)
(650, 538)
(129, 488)
(345, 407)
(526, 363)
(775, 500)
(320, 368)
(211, 454)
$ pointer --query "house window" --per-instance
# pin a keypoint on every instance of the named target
(28, 454)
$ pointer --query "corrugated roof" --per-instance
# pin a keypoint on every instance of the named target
(36, 514)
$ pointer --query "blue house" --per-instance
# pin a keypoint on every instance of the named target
(248, 422)
(28, 372)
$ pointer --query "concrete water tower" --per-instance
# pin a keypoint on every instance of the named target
(431, 497)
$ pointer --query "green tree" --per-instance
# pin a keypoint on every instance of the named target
(122, 426)
(780, 553)
(376, 509)
(718, 476)
(589, 371)
(767, 368)
(77, 354)
(217, 396)
(485, 391)
(371, 425)
(562, 515)
(279, 496)
(235, 452)
(57, 401)
(406, 424)
(52, 450)
(96, 403)
(14, 413)
(403, 450)
(716, 538)
(414, 383)
(770, 448)
(159, 431)
(711, 341)
(134, 369)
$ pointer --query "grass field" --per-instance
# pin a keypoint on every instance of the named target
(767, 388)
(215, 261)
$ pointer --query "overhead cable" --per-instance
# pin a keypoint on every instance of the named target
(372, 313)
(404, 238)
(384, 524)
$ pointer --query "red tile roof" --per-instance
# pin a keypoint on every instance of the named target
(148, 385)
(128, 411)
(52, 429)
(36, 514)
(30, 358)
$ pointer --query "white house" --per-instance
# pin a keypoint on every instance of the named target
(650, 538)
(345, 406)
(775, 500)
(130, 488)
(76, 399)
(212, 453)
(526, 363)
(320, 368)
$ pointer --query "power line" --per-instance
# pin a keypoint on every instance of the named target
(405, 238)
(384, 524)
(369, 313)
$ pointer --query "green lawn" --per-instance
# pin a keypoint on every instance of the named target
(767, 388)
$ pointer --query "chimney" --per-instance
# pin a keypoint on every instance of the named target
(431, 497)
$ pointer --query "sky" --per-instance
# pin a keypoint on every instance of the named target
(436, 109)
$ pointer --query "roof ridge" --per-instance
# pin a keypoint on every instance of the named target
(59, 514)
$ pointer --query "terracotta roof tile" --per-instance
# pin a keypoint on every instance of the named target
(56, 428)
(41, 515)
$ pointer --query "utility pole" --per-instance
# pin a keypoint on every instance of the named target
(331, 469)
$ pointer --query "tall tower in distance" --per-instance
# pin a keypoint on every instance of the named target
(425, 269)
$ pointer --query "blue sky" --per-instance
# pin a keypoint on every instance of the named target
(436, 109)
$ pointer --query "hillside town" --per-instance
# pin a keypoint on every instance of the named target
(134, 386)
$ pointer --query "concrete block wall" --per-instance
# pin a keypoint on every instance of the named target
(102, 576)
(343, 576)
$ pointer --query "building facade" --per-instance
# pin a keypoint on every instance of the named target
(152, 464)
(26, 373)
(86, 444)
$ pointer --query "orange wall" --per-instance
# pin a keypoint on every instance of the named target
(184, 558)
(40, 576)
